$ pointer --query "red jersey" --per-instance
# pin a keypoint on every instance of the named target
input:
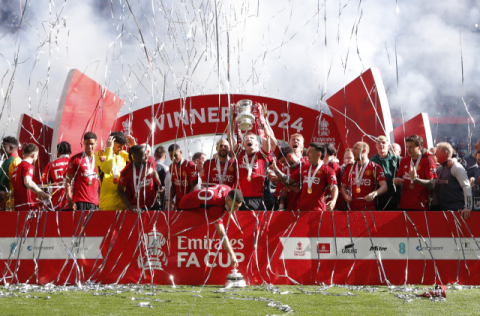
(372, 175)
(254, 187)
(82, 191)
(292, 197)
(340, 205)
(211, 198)
(211, 174)
(151, 162)
(54, 173)
(283, 168)
(25, 200)
(181, 178)
(412, 199)
(314, 201)
(278, 189)
(145, 191)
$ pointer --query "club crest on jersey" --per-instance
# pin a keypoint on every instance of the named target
(368, 172)
(418, 168)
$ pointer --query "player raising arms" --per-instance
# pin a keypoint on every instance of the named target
(312, 181)
(215, 200)
(290, 163)
(135, 188)
(252, 160)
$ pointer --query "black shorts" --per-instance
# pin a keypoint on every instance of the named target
(252, 204)
(85, 206)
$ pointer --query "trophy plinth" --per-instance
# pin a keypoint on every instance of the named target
(235, 280)
(245, 118)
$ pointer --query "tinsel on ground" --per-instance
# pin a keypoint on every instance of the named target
(214, 300)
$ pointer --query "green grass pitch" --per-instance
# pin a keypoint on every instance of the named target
(304, 300)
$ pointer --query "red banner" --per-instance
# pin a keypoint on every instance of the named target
(418, 125)
(84, 106)
(32, 131)
(208, 115)
(363, 248)
(361, 110)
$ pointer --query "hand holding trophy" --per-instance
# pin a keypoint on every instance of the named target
(244, 118)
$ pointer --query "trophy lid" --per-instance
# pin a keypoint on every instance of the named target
(245, 102)
(235, 279)
(235, 273)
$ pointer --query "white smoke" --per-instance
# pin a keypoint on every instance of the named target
(276, 50)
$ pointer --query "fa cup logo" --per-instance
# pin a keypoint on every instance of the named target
(151, 255)
(127, 127)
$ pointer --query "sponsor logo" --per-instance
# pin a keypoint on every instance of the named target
(151, 255)
(127, 127)
(226, 178)
(349, 249)
(315, 180)
(30, 248)
(190, 249)
(428, 248)
(466, 247)
(323, 248)
(323, 128)
(244, 165)
(52, 248)
(13, 248)
(298, 250)
(401, 248)
(378, 248)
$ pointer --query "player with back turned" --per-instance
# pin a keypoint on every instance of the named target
(54, 174)
(216, 201)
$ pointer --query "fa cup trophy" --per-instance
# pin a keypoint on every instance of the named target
(245, 119)
(235, 279)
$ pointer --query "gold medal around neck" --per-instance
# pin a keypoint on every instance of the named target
(136, 195)
(90, 182)
(310, 191)
(412, 185)
(249, 179)
(358, 190)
